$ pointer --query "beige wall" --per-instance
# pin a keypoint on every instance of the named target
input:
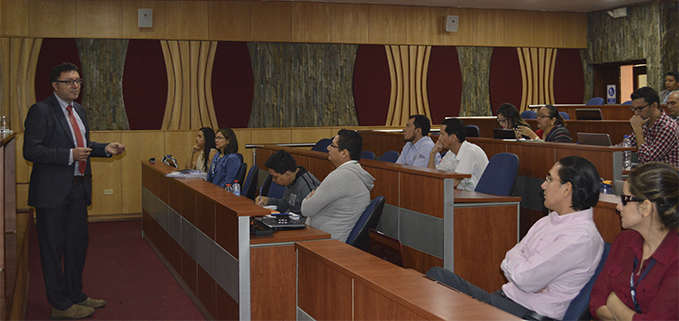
(122, 173)
(291, 22)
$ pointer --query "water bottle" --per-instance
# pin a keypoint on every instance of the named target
(626, 155)
(228, 188)
(235, 188)
(606, 187)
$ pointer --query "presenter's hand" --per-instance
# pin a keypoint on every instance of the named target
(636, 121)
(261, 200)
(115, 148)
(80, 154)
(195, 149)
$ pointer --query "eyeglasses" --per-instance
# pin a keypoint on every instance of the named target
(501, 120)
(543, 116)
(333, 146)
(639, 109)
(70, 82)
(549, 179)
(219, 137)
(629, 198)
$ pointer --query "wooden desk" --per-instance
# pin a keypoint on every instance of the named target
(340, 282)
(423, 211)
(202, 235)
(607, 218)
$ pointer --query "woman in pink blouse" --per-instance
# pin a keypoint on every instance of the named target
(639, 280)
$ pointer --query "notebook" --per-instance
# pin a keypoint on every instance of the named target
(588, 114)
(282, 222)
(386, 247)
(598, 139)
(499, 133)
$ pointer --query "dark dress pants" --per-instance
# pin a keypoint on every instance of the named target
(62, 234)
(496, 299)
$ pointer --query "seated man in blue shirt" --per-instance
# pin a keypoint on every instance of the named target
(418, 144)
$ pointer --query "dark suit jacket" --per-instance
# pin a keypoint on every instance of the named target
(47, 143)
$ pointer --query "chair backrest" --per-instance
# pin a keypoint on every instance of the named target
(595, 101)
(322, 145)
(578, 309)
(241, 174)
(629, 102)
(564, 115)
(389, 156)
(272, 189)
(528, 114)
(473, 131)
(366, 154)
(240, 156)
(371, 216)
(500, 175)
(250, 185)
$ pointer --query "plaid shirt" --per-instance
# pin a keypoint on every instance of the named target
(661, 141)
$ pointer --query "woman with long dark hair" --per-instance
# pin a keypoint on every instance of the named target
(205, 145)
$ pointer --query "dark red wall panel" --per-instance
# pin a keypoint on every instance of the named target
(54, 52)
(569, 79)
(505, 78)
(232, 84)
(372, 85)
(444, 83)
(145, 85)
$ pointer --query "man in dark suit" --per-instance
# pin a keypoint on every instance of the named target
(56, 140)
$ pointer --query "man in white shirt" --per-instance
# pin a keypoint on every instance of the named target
(463, 157)
(418, 145)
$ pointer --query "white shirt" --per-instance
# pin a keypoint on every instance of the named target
(470, 159)
(417, 154)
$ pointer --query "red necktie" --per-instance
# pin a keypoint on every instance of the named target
(78, 136)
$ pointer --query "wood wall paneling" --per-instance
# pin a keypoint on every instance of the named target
(13, 18)
(388, 24)
(98, 19)
(271, 21)
(310, 135)
(229, 20)
(54, 19)
(465, 27)
(130, 20)
(549, 29)
(139, 146)
(424, 25)
(186, 20)
(310, 22)
(349, 23)
(518, 28)
(106, 174)
(489, 28)
(574, 30)
(177, 143)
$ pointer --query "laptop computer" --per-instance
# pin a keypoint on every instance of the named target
(588, 114)
(499, 133)
(386, 247)
(282, 222)
(598, 139)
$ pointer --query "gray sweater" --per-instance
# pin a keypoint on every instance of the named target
(303, 184)
(340, 200)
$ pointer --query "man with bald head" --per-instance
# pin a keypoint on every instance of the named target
(673, 105)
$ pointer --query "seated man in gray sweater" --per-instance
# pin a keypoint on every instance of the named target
(339, 201)
(298, 183)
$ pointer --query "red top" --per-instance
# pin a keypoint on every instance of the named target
(658, 292)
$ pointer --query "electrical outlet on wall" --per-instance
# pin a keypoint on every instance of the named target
(108, 191)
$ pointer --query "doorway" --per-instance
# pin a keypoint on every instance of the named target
(626, 76)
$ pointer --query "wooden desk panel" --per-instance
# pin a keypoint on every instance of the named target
(607, 218)
(381, 290)
(389, 184)
(272, 283)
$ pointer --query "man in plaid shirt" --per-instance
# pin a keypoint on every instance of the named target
(655, 134)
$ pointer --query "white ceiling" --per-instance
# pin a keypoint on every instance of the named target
(534, 5)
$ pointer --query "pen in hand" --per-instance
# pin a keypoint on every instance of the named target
(259, 198)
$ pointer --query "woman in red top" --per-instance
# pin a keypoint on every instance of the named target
(640, 278)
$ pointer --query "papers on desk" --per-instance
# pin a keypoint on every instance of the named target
(187, 173)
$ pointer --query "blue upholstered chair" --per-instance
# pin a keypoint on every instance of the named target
(271, 189)
(366, 154)
(578, 309)
(500, 175)
(528, 114)
(595, 101)
(250, 185)
(322, 145)
(389, 156)
(564, 115)
(241, 175)
(629, 102)
(359, 236)
(473, 131)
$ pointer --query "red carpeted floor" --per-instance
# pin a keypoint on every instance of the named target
(123, 270)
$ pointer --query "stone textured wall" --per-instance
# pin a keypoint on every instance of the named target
(303, 85)
(648, 32)
(103, 62)
(475, 69)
